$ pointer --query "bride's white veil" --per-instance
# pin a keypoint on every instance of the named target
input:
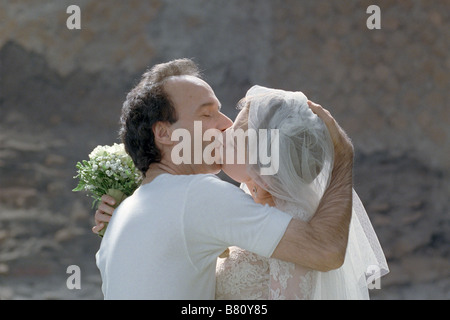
(305, 163)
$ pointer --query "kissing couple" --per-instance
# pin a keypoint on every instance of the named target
(300, 232)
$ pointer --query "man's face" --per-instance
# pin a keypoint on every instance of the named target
(194, 100)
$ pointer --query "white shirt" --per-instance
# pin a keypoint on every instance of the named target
(164, 240)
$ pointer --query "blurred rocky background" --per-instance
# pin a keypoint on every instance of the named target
(61, 92)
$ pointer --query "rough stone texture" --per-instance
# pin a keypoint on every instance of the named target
(61, 92)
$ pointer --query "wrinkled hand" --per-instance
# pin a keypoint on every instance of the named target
(103, 213)
(343, 147)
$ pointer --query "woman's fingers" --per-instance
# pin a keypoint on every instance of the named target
(103, 213)
(100, 216)
(108, 199)
(96, 229)
(105, 208)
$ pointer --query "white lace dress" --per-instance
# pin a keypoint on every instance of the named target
(244, 275)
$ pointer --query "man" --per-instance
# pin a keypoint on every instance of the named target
(163, 241)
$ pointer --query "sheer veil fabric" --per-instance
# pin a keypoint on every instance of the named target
(305, 163)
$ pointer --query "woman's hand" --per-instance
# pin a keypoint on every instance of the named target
(103, 213)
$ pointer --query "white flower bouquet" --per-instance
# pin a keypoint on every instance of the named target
(109, 170)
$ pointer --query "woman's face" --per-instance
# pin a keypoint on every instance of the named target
(231, 167)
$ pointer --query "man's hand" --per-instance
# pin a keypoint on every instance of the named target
(103, 213)
(321, 243)
(343, 146)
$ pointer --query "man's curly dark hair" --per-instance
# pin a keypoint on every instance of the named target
(147, 104)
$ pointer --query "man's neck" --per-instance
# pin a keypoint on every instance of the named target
(156, 169)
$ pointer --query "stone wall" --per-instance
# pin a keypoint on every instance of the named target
(61, 92)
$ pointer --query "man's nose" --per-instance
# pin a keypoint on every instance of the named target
(224, 122)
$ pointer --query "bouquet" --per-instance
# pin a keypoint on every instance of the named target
(110, 171)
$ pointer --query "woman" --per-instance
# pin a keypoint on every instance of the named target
(305, 166)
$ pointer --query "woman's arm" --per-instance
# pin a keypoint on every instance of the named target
(321, 243)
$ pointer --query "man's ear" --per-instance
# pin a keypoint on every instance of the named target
(162, 133)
